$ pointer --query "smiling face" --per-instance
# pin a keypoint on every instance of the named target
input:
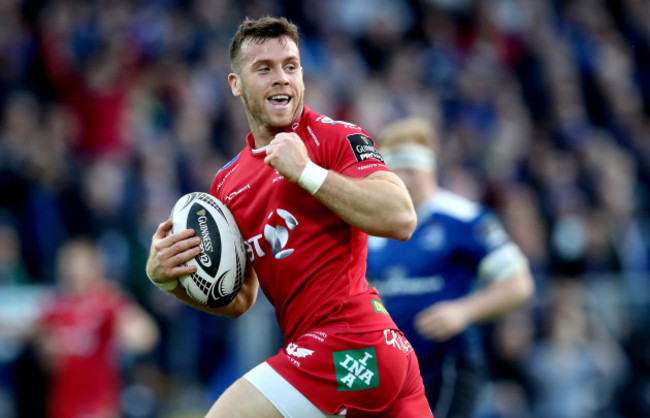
(270, 84)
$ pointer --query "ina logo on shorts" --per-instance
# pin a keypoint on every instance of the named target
(356, 369)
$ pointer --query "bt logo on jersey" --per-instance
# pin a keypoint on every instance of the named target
(275, 235)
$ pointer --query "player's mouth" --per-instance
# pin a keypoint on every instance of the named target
(279, 100)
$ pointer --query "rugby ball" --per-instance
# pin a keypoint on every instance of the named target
(221, 264)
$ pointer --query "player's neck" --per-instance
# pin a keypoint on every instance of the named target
(263, 136)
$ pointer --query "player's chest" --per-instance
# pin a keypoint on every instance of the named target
(271, 212)
(73, 320)
(254, 187)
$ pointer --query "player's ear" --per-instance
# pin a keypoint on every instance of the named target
(235, 84)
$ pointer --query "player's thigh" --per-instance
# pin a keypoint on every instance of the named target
(242, 400)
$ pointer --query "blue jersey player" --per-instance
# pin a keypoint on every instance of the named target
(459, 268)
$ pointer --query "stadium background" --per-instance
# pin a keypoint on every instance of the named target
(111, 110)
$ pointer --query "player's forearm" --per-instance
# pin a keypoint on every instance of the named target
(244, 300)
(499, 297)
(378, 204)
(136, 329)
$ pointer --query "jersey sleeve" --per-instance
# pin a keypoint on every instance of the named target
(498, 256)
(350, 151)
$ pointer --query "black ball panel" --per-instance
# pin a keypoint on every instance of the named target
(205, 226)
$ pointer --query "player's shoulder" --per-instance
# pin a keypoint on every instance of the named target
(469, 222)
(223, 173)
(229, 163)
(340, 134)
(455, 207)
(323, 124)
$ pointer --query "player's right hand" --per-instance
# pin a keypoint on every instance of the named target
(169, 252)
(288, 155)
(441, 321)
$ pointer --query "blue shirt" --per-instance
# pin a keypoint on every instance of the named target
(456, 246)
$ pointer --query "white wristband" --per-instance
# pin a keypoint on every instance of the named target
(167, 286)
(312, 177)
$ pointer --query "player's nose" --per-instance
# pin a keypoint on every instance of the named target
(281, 78)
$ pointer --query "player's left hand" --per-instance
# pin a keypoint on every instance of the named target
(170, 252)
(441, 321)
(288, 155)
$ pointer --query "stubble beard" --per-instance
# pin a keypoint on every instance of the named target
(259, 117)
(254, 112)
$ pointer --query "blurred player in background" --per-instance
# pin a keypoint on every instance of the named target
(85, 327)
(305, 191)
(459, 268)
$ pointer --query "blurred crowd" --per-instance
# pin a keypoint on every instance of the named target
(112, 109)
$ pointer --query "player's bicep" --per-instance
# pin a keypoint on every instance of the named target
(385, 178)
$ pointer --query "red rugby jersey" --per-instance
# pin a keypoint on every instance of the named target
(311, 265)
(86, 380)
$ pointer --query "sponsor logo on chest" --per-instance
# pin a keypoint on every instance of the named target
(279, 224)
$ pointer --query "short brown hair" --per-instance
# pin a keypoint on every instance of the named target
(411, 130)
(260, 30)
